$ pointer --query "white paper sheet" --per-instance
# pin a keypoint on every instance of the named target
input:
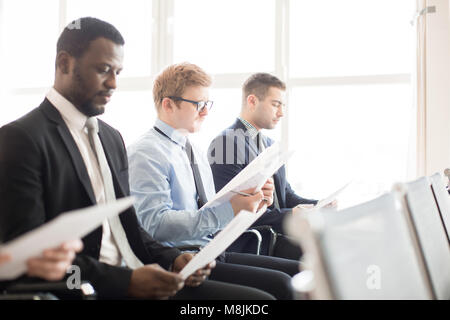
(222, 241)
(67, 226)
(254, 175)
(323, 202)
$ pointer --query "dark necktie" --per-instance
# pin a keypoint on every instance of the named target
(201, 195)
(261, 147)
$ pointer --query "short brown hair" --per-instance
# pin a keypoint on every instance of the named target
(173, 81)
(259, 84)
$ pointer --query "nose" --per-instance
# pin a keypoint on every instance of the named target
(280, 112)
(111, 81)
(204, 112)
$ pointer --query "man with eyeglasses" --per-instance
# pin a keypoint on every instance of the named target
(171, 181)
(262, 108)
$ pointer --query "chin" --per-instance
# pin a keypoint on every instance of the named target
(96, 110)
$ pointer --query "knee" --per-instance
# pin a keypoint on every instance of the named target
(281, 283)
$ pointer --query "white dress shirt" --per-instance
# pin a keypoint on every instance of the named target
(76, 121)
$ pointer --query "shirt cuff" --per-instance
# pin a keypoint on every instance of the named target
(224, 213)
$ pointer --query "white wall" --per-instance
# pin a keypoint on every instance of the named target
(438, 87)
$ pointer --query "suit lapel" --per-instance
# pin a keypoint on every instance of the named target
(77, 160)
(253, 152)
(249, 142)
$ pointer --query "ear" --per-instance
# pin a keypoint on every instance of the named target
(252, 101)
(63, 62)
(167, 105)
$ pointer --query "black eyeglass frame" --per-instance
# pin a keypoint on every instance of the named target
(200, 105)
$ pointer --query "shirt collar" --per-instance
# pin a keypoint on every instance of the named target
(71, 115)
(250, 128)
(174, 134)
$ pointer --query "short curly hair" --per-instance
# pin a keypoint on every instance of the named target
(174, 80)
(77, 36)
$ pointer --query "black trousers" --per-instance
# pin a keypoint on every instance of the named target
(270, 274)
(216, 290)
(284, 247)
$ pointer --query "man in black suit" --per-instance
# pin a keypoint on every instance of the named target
(59, 157)
(233, 149)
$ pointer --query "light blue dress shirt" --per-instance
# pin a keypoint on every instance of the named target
(162, 182)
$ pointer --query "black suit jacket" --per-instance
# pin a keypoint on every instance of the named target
(235, 140)
(42, 174)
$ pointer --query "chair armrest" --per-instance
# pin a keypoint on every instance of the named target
(57, 289)
(192, 248)
(258, 239)
(273, 236)
(28, 296)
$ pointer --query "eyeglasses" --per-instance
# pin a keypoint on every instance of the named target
(201, 105)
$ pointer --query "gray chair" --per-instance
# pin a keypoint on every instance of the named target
(363, 252)
(427, 227)
(442, 199)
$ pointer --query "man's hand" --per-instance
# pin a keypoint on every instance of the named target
(53, 263)
(268, 189)
(198, 276)
(4, 258)
(302, 208)
(153, 282)
(332, 205)
(240, 202)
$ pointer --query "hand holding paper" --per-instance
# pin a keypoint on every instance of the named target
(53, 263)
(221, 241)
(329, 201)
(254, 176)
(196, 278)
(65, 227)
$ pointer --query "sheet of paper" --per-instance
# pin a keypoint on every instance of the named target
(67, 226)
(323, 202)
(222, 241)
(254, 175)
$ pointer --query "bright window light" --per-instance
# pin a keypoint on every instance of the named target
(133, 18)
(29, 44)
(358, 132)
(223, 36)
(350, 37)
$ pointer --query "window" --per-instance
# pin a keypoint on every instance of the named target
(350, 106)
(347, 65)
(29, 42)
(222, 39)
(134, 21)
(350, 37)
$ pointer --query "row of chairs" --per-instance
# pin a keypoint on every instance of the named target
(396, 246)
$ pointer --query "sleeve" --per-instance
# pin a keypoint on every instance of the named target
(150, 173)
(21, 192)
(226, 160)
(158, 253)
(22, 207)
(292, 199)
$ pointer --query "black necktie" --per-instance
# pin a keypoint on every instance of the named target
(261, 147)
(201, 195)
